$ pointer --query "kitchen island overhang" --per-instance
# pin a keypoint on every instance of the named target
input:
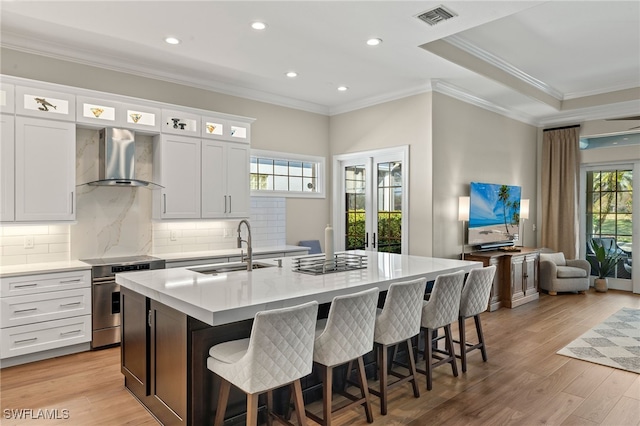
(236, 296)
(170, 319)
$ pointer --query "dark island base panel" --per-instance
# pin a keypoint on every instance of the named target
(164, 362)
(205, 384)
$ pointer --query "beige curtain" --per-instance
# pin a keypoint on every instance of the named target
(560, 186)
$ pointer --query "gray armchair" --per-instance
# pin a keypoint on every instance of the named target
(558, 274)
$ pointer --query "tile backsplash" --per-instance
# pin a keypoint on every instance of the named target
(34, 244)
(268, 228)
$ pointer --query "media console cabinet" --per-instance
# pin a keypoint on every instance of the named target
(517, 275)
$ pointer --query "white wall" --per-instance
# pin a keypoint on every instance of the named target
(405, 121)
(473, 144)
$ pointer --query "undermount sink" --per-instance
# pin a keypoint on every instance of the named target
(218, 268)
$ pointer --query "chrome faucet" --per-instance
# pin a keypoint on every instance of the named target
(248, 241)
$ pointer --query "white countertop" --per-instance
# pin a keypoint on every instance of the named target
(228, 297)
(42, 268)
(74, 265)
(195, 255)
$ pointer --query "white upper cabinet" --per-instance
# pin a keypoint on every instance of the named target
(7, 98)
(238, 180)
(7, 182)
(225, 180)
(45, 103)
(177, 168)
(180, 123)
(45, 170)
(106, 113)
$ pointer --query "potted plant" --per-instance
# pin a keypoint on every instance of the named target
(606, 261)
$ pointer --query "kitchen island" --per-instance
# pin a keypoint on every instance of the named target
(171, 317)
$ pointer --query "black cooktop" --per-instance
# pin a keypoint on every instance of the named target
(125, 260)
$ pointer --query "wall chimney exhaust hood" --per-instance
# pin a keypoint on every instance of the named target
(116, 163)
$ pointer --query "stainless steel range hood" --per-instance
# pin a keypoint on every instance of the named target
(116, 163)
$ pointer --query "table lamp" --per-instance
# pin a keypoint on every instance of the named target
(463, 216)
(524, 214)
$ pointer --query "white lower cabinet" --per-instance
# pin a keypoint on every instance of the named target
(44, 311)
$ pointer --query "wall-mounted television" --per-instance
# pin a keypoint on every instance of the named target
(494, 215)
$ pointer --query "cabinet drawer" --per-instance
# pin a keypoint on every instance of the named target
(31, 284)
(26, 339)
(32, 308)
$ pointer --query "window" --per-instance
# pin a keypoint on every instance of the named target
(287, 175)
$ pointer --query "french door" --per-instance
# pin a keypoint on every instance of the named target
(371, 205)
(608, 208)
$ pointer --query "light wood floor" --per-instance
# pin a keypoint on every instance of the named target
(523, 383)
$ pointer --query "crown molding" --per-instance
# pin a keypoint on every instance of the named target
(376, 100)
(501, 64)
(599, 112)
(618, 87)
(464, 96)
(128, 66)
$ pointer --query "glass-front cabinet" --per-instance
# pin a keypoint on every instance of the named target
(102, 112)
(6, 98)
(43, 103)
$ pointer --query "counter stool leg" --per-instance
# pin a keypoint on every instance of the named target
(382, 366)
(223, 397)
(269, 407)
(449, 345)
(252, 409)
(364, 387)
(428, 356)
(463, 343)
(412, 369)
(296, 389)
(483, 348)
(327, 394)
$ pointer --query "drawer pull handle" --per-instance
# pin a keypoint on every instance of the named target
(69, 304)
(19, 311)
(66, 333)
(71, 281)
(33, 339)
(26, 285)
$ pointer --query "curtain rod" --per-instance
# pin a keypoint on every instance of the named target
(561, 128)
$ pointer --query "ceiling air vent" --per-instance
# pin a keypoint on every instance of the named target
(436, 15)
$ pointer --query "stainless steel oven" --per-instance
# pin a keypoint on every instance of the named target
(106, 294)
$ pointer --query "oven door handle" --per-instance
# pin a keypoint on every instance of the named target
(105, 280)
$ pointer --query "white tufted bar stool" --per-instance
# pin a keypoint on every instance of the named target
(440, 311)
(398, 322)
(473, 301)
(346, 335)
(279, 352)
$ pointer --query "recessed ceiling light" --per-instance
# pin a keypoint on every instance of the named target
(258, 25)
(374, 41)
(292, 74)
(172, 40)
(343, 88)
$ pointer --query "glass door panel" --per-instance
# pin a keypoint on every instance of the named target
(609, 216)
(389, 220)
(355, 190)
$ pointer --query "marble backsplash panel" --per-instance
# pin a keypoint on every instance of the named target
(111, 221)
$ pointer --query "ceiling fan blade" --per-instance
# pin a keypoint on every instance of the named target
(635, 117)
